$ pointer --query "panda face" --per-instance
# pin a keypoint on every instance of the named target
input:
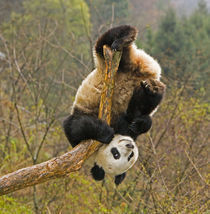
(118, 156)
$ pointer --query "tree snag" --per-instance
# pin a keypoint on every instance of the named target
(73, 160)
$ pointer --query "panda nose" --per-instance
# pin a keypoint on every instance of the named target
(130, 146)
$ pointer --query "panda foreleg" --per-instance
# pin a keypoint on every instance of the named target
(84, 127)
(119, 178)
(146, 97)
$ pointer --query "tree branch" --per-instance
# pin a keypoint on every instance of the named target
(73, 160)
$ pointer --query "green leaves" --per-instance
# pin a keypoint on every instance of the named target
(182, 46)
(9, 205)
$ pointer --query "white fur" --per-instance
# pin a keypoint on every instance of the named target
(105, 159)
(151, 65)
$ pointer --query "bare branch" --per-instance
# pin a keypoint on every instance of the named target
(73, 160)
(22, 131)
(196, 169)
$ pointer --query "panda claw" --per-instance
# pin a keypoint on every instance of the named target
(146, 86)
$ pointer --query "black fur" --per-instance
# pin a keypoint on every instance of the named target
(118, 38)
(115, 153)
(139, 126)
(84, 127)
(145, 98)
(97, 172)
(133, 128)
(119, 178)
(130, 156)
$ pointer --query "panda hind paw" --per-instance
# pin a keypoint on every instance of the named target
(153, 87)
(117, 45)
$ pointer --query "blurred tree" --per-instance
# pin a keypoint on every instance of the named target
(106, 13)
(146, 13)
(121, 9)
(6, 7)
(183, 45)
(49, 37)
(46, 51)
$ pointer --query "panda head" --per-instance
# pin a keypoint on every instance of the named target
(115, 158)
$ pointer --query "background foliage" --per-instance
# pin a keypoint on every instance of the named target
(46, 51)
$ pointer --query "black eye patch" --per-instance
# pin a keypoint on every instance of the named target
(130, 156)
(115, 153)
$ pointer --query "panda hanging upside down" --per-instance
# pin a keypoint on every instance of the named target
(137, 93)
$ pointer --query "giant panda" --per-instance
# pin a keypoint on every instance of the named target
(138, 92)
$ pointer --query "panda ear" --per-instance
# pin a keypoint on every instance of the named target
(119, 178)
(97, 172)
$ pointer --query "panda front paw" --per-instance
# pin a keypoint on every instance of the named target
(119, 178)
(97, 172)
(153, 87)
(140, 125)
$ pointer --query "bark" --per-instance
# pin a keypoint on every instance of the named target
(73, 160)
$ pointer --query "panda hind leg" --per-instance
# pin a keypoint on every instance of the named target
(117, 38)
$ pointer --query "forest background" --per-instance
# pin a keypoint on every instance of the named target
(46, 51)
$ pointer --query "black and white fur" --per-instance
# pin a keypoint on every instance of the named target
(137, 93)
(115, 158)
